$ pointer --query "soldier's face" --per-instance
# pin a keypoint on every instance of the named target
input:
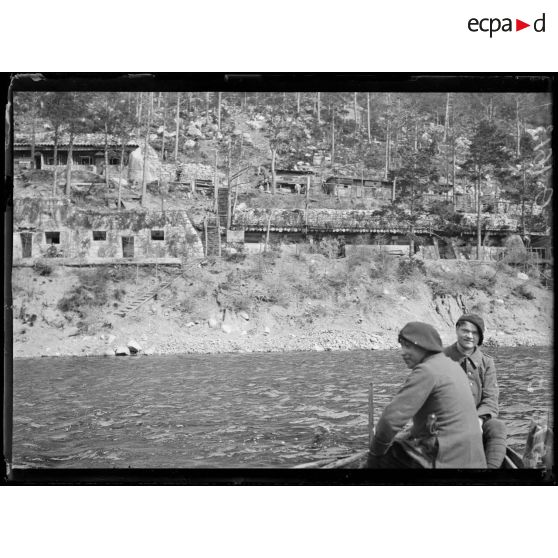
(467, 336)
(411, 354)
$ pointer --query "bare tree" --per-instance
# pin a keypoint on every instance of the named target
(145, 154)
(177, 127)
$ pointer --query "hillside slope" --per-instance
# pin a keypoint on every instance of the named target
(272, 302)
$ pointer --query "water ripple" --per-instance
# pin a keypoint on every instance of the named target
(258, 410)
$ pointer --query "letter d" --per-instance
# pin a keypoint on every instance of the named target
(535, 25)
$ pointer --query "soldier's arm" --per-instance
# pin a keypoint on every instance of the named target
(403, 407)
(489, 397)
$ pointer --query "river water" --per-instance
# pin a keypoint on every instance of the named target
(233, 410)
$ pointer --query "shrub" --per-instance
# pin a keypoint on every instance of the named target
(410, 268)
(92, 291)
(524, 291)
(119, 294)
(42, 268)
(328, 247)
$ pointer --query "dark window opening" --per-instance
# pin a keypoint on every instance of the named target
(114, 161)
(99, 235)
(157, 235)
(52, 237)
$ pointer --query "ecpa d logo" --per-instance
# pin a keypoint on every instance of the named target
(492, 25)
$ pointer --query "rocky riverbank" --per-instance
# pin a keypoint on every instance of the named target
(305, 303)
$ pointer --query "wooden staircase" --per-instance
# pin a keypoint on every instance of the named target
(210, 236)
(141, 297)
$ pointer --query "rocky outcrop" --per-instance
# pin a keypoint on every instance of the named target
(134, 347)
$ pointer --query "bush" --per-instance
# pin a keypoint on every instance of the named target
(92, 291)
(409, 268)
(119, 294)
(524, 291)
(42, 268)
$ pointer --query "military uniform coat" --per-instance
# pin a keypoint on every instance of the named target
(481, 375)
(435, 386)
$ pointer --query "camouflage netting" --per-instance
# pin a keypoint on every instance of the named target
(324, 219)
(135, 165)
(36, 214)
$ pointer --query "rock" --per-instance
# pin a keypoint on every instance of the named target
(53, 318)
(121, 351)
(385, 291)
(190, 324)
(212, 323)
(72, 331)
(226, 328)
(134, 347)
(267, 331)
(522, 276)
(149, 351)
(244, 315)
(317, 347)
(194, 132)
(108, 352)
(499, 301)
(110, 339)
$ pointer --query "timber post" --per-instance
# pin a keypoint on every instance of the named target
(370, 413)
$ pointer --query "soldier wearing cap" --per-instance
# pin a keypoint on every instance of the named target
(481, 375)
(436, 397)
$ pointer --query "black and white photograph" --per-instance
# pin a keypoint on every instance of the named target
(279, 274)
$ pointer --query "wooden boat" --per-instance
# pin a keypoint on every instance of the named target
(358, 461)
(539, 443)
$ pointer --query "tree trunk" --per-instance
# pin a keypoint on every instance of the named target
(388, 139)
(453, 155)
(229, 155)
(177, 127)
(69, 165)
(446, 118)
(219, 110)
(298, 104)
(332, 137)
(140, 107)
(207, 107)
(164, 128)
(478, 193)
(518, 128)
(55, 161)
(33, 125)
(368, 117)
(122, 151)
(144, 178)
(215, 187)
(319, 107)
(454, 197)
(523, 203)
(355, 109)
(268, 229)
(106, 158)
(273, 177)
